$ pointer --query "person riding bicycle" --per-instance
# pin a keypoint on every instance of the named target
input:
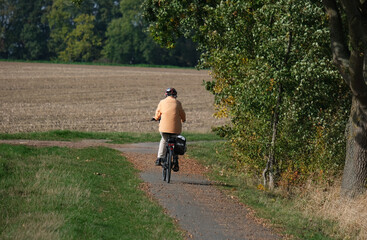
(171, 115)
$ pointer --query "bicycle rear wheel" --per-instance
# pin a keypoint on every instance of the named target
(169, 165)
(164, 172)
(164, 167)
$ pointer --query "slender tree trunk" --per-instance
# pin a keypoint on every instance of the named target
(355, 170)
(269, 170)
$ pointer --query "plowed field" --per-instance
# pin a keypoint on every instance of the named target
(42, 97)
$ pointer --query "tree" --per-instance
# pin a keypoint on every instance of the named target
(23, 29)
(272, 77)
(63, 19)
(349, 46)
(81, 42)
(60, 22)
(6, 9)
(128, 41)
(105, 11)
(125, 35)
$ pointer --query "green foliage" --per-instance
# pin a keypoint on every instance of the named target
(125, 36)
(81, 43)
(23, 29)
(60, 26)
(79, 30)
(74, 36)
(77, 2)
(128, 42)
(254, 49)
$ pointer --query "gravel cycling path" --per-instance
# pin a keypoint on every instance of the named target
(198, 206)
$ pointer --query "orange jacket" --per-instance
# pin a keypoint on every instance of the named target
(171, 113)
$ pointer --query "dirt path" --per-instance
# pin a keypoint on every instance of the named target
(201, 210)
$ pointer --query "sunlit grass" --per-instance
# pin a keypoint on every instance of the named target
(61, 193)
(111, 137)
(284, 213)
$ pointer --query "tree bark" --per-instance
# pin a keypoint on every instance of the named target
(355, 170)
(351, 65)
(269, 169)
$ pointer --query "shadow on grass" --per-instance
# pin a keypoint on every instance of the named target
(208, 183)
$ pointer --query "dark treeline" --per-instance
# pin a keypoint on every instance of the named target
(107, 31)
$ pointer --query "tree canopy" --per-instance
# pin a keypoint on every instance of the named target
(272, 76)
(93, 30)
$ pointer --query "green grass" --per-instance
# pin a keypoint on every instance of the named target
(93, 193)
(61, 193)
(278, 210)
(115, 137)
(67, 135)
(96, 63)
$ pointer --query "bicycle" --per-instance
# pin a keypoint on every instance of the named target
(171, 155)
(169, 159)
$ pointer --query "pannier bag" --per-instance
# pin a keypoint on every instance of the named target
(180, 145)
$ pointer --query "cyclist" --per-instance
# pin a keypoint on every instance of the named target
(171, 115)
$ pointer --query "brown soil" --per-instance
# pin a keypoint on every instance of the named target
(40, 97)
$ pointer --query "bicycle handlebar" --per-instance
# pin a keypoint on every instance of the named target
(154, 120)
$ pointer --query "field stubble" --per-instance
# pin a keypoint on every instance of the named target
(41, 97)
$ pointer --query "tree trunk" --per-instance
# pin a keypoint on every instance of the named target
(355, 170)
(350, 59)
(271, 158)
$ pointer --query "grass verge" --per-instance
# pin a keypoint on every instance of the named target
(115, 137)
(95, 63)
(61, 193)
(281, 212)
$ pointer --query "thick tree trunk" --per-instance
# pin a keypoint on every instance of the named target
(349, 57)
(355, 170)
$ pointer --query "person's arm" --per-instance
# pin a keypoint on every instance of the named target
(158, 112)
(182, 114)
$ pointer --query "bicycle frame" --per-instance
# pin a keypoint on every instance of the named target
(168, 161)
